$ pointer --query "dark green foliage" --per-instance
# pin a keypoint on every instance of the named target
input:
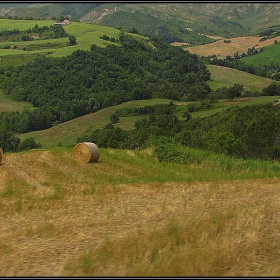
(72, 40)
(114, 118)
(252, 132)
(86, 81)
(272, 89)
(235, 91)
(8, 141)
(44, 32)
(169, 31)
(107, 38)
(27, 144)
(269, 33)
(187, 115)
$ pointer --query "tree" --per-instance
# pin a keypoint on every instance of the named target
(235, 91)
(272, 89)
(72, 40)
(187, 115)
(27, 144)
(114, 118)
(8, 141)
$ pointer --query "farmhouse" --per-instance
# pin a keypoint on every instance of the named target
(66, 21)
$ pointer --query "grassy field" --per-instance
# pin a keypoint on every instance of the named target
(21, 25)
(8, 105)
(130, 215)
(226, 77)
(67, 133)
(86, 35)
(271, 54)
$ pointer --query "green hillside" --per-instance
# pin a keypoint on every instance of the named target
(8, 105)
(168, 20)
(86, 35)
(66, 134)
(270, 55)
(225, 77)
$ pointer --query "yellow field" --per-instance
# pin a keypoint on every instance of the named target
(60, 218)
(238, 44)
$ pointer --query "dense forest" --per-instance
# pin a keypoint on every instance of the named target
(84, 82)
(65, 88)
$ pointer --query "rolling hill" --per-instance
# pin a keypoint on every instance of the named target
(85, 34)
(224, 77)
(219, 19)
(66, 134)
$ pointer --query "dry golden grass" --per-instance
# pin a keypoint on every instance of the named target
(238, 44)
(59, 219)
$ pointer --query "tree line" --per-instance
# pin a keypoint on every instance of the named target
(249, 132)
(44, 32)
(271, 70)
(65, 88)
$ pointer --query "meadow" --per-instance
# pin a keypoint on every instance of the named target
(86, 35)
(226, 77)
(131, 215)
(66, 134)
(271, 54)
(8, 105)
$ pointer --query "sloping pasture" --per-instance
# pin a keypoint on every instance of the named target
(271, 54)
(67, 133)
(8, 105)
(238, 44)
(86, 35)
(226, 77)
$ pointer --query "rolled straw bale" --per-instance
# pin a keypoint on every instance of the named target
(86, 152)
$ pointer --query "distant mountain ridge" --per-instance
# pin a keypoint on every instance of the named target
(169, 21)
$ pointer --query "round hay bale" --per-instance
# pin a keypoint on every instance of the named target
(86, 152)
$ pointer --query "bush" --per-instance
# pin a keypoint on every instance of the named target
(27, 144)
